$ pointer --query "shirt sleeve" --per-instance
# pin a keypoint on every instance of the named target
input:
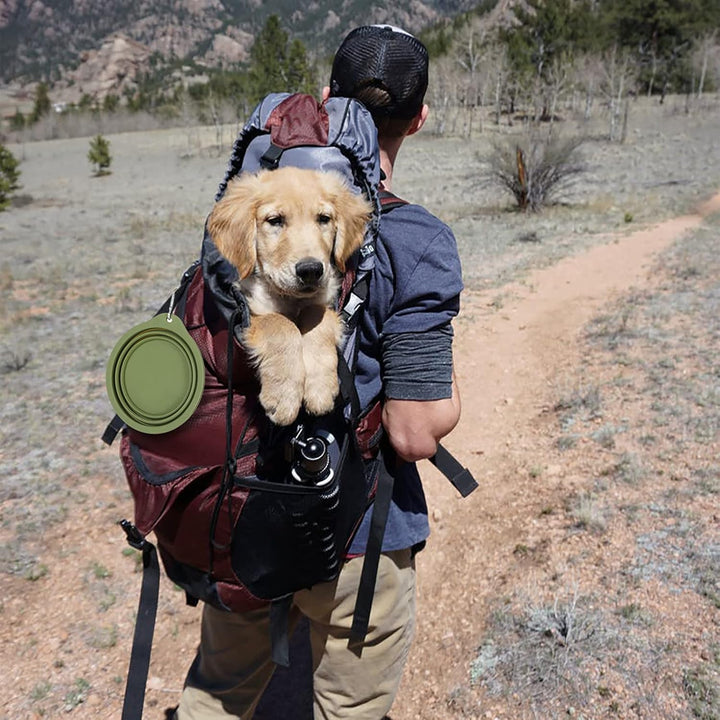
(422, 291)
(418, 366)
(427, 282)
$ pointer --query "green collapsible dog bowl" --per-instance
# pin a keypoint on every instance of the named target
(155, 375)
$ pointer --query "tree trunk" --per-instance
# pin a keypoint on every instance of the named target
(623, 133)
(708, 42)
(652, 75)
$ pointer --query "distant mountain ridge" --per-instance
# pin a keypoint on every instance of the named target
(51, 39)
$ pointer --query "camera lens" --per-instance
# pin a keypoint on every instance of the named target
(313, 456)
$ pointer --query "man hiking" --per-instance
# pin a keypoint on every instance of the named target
(405, 358)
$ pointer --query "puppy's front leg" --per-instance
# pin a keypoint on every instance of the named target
(321, 333)
(276, 348)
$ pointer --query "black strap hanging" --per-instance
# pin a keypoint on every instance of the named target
(279, 630)
(373, 550)
(458, 475)
(144, 624)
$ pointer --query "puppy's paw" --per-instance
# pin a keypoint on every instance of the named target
(281, 402)
(275, 347)
(321, 389)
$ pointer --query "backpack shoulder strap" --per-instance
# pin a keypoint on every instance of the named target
(358, 290)
(389, 201)
(353, 299)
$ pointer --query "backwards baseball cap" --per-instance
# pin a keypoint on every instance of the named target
(384, 57)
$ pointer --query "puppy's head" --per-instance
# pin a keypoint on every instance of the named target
(290, 226)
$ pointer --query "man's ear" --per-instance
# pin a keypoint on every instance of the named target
(419, 120)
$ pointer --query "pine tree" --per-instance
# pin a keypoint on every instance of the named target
(42, 102)
(9, 176)
(547, 30)
(300, 73)
(268, 59)
(99, 154)
(278, 65)
(111, 103)
(661, 34)
(17, 121)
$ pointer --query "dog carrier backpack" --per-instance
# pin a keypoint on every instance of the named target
(246, 513)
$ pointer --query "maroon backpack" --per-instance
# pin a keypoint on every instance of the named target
(243, 510)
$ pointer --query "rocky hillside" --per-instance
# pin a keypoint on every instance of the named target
(78, 40)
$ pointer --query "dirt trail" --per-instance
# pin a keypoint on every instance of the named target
(508, 360)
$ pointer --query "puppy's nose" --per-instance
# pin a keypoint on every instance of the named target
(309, 271)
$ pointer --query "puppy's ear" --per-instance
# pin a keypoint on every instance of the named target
(353, 214)
(232, 224)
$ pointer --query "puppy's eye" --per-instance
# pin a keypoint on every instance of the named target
(275, 220)
(324, 219)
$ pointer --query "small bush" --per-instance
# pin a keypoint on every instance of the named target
(77, 694)
(99, 154)
(702, 692)
(587, 514)
(9, 176)
(14, 361)
(540, 651)
(536, 169)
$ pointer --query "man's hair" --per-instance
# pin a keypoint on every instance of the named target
(386, 69)
(387, 127)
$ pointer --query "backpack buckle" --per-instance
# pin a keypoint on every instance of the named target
(134, 538)
(271, 158)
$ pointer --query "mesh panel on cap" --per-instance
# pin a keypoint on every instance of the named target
(383, 57)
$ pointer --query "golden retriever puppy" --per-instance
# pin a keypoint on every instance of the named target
(289, 232)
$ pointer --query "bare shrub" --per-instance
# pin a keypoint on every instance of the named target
(628, 469)
(587, 514)
(537, 168)
(540, 651)
(14, 361)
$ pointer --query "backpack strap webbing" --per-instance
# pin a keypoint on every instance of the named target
(389, 202)
(373, 550)
(356, 297)
(112, 429)
(279, 627)
(459, 476)
(358, 292)
(144, 624)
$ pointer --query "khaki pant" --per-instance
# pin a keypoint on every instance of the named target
(233, 665)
